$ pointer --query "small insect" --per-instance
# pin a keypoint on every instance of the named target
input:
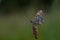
(38, 18)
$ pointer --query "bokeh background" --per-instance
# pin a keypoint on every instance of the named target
(15, 15)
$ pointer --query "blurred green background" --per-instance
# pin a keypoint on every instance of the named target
(14, 24)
